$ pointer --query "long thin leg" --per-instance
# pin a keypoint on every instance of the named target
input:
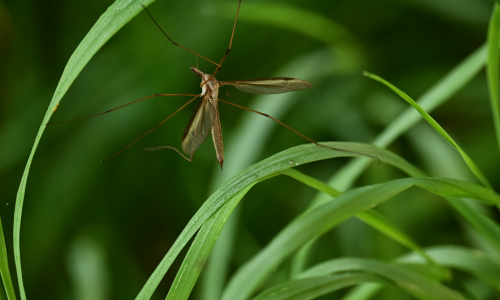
(298, 133)
(152, 129)
(190, 159)
(230, 43)
(110, 110)
(179, 45)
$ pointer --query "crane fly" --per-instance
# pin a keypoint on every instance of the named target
(205, 119)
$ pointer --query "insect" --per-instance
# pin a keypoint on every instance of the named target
(205, 119)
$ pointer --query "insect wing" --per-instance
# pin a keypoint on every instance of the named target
(275, 85)
(198, 128)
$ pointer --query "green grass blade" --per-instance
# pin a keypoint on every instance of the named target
(439, 93)
(322, 219)
(492, 68)
(304, 228)
(473, 167)
(413, 282)
(4, 267)
(385, 226)
(312, 182)
(267, 168)
(200, 249)
(454, 188)
(364, 291)
(117, 15)
(310, 288)
(472, 261)
(301, 258)
(486, 227)
(372, 218)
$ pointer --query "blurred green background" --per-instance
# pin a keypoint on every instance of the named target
(96, 230)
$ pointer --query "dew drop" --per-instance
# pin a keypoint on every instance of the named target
(291, 162)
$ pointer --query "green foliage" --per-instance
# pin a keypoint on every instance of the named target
(492, 68)
(437, 127)
(115, 221)
(4, 267)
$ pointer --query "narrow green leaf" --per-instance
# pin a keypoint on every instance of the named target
(454, 188)
(492, 68)
(312, 182)
(378, 221)
(480, 176)
(117, 15)
(364, 291)
(438, 94)
(414, 283)
(310, 288)
(4, 267)
(301, 258)
(304, 228)
(385, 226)
(371, 218)
(472, 261)
(267, 168)
(322, 219)
(200, 249)
(486, 227)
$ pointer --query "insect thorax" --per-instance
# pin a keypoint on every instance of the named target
(211, 86)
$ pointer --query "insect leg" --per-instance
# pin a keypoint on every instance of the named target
(110, 110)
(230, 43)
(298, 133)
(190, 159)
(179, 45)
(152, 129)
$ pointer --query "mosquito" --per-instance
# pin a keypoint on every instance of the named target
(205, 119)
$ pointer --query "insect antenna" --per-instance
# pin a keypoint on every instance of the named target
(110, 110)
(177, 44)
(152, 129)
(298, 133)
